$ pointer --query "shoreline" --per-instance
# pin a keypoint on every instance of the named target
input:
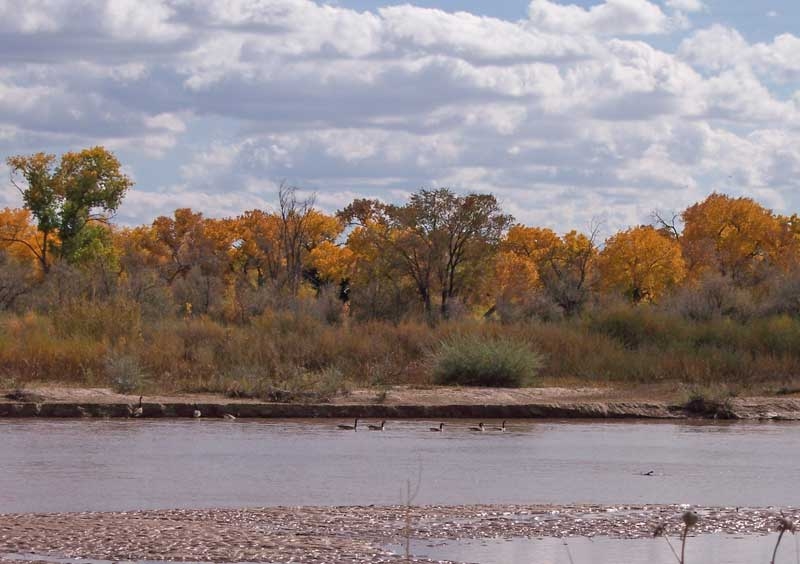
(739, 409)
(50, 401)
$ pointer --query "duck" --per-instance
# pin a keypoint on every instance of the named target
(196, 413)
(353, 427)
(501, 428)
(480, 428)
(139, 411)
(438, 429)
(377, 427)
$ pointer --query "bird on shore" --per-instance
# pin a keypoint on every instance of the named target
(439, 429)
(480, 428)
(377, 427)
(501, 428)
(196, 413)
(139, 411)
(229, 416)
(353, 427)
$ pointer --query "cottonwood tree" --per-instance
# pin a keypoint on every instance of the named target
(642, 263)
(440, 240)
(565, 264)
(85, 187)
(20, 237)
(731, 237)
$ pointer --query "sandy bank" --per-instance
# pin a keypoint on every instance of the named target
(344, 534)
(397, 403)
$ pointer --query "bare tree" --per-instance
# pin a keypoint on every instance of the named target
(294, 215)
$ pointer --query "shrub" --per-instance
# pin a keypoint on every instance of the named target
(124, 373)
(635, 327)
(470, 360)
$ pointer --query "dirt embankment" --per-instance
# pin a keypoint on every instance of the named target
(396, 403)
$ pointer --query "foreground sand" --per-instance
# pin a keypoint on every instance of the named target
(342, 534)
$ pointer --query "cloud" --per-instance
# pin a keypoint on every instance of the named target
(612, 17)
(571, 113)
(719, 47)
(686, 5)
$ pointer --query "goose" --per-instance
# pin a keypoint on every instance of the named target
(353, 427)
(438, 429)
(480, 428)
(377, 427)
(196, 413)
(229, 416)
(648, 473)
(139, 411)
(501, 428)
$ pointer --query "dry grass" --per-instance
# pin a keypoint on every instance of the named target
(296, 350)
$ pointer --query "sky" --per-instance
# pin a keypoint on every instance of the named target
(570, 112)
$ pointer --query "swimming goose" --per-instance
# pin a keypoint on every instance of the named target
(501, 428)
(377, 427)
(353, 427)
(196, 413)
(479, 428)
(438, 429)
(139, 411)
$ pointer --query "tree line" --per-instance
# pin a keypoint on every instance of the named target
(439, 255)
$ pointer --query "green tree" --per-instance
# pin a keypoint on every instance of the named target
(85, 187)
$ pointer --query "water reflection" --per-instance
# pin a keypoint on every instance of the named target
(71, 465)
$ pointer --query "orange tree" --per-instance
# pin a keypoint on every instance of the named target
(642, 263)
(733, 236)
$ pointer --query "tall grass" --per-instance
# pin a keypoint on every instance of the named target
(295, 349)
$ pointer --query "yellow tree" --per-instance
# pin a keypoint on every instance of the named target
(333, 263)
(732, 236)
(21, 238)
(564, 265)
(642, 263)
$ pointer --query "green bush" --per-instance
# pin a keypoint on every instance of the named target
(470, 360)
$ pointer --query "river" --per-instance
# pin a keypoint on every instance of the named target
(99, 465)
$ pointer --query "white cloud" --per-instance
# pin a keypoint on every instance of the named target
(719, 47)
(686, 5)
(569, 114)
(612, 17)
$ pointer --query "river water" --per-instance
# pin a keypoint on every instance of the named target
(79, 465)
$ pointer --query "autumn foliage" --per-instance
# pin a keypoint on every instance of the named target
(295, 294)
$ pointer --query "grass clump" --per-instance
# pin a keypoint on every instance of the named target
(471, 360)
(125, 373)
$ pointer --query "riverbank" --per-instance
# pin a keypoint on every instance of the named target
(398, 403)
(343, 534)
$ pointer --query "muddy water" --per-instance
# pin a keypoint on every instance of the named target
(49, 465)
(719, 549)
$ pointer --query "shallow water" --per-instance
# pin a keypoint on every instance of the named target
(79, 465)
(719, 549)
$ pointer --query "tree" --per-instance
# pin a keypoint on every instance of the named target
(441, 240)
(564, 264)
(733, 237)
(20, 237)
(85, 187)
(642, 263)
